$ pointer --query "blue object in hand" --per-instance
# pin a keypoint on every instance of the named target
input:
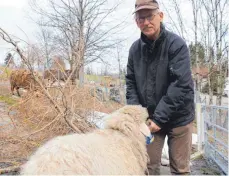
(149, 139)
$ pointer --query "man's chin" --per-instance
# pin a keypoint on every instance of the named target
(149, 34)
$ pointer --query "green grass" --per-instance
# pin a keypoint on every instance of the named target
(98, 78)
(8, 99)
(94, 78)
(4, 72)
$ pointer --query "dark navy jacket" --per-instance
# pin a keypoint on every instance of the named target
(159, 78)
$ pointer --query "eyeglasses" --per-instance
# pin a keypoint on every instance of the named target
(141, 20)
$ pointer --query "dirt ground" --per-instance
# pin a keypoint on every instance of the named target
(199, 165)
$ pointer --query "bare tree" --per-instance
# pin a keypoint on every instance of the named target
(82, 29)
(45, 39)
(9, 60)
(58, 63)
(34, 56)
(176, 19)
(118, 56)
(217, 15)
(210, 30)
(63, 111)
(205, 34)
(180, 26)
(196, 8)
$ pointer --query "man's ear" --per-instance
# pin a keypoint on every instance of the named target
(135, 18)
(161, 14)
(137, 22)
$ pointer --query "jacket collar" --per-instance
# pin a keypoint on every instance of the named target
(151, 43)
(147, 44)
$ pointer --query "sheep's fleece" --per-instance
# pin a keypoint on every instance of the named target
(119, 149)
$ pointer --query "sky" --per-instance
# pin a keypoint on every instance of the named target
(13, 19)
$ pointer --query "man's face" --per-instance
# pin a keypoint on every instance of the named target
(149, 22)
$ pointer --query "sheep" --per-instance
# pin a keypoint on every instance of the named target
(23, 79)
(118, 149)
(54, 75)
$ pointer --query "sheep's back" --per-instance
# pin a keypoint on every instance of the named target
(102, 152)
(22, 78)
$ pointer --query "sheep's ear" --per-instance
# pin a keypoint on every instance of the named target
(123, 123)
(137, 112)
(127, 128)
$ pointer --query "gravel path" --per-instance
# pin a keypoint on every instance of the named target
(4, 118)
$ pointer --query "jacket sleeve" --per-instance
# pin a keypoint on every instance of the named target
(131, 87)
(180, 83)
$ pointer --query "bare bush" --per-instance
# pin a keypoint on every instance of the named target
(56, 111)
(36, 120)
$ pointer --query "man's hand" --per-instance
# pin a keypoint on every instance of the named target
(152, 126)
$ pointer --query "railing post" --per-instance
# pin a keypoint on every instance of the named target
(200, 127)
(214, 128)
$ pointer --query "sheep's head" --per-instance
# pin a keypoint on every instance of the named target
(130, 120)
(137, 112)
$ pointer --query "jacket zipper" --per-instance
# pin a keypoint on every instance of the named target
(147, 66)
(146, 83)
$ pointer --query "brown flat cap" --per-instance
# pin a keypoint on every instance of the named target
(146, 4)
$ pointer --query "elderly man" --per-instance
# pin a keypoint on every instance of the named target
(159, 78)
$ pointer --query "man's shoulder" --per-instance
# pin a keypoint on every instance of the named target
(173, 38)
(176, 43)
(135, 44)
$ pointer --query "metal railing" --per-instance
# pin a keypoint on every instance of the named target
(215, 123)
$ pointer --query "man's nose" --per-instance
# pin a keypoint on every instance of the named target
(146, 21)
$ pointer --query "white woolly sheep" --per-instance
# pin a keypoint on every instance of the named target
(119, 149)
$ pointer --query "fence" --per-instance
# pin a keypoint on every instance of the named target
(110, 93)
(213, 133)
